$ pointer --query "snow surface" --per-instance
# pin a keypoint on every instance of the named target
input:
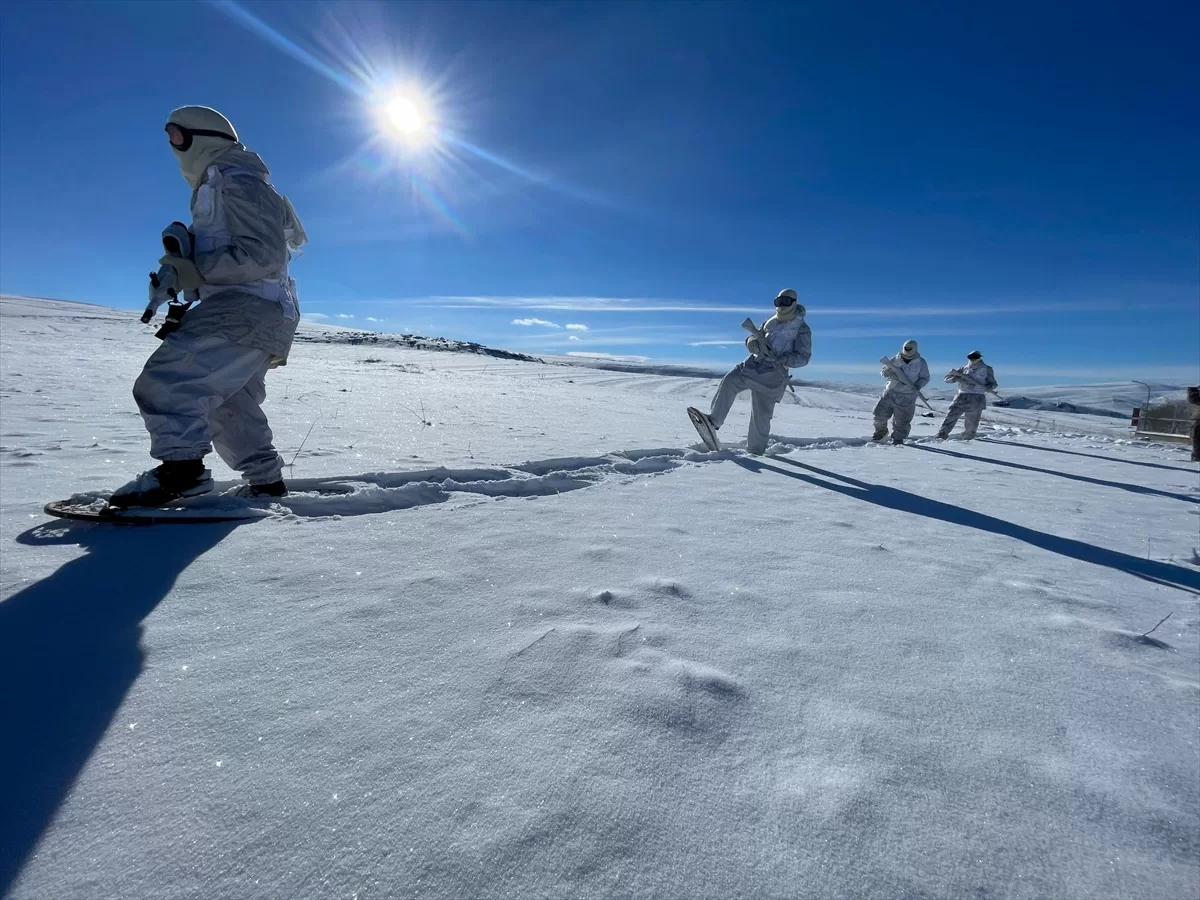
(532, 642)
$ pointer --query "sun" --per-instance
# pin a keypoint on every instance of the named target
(403, 114)
(404, 117)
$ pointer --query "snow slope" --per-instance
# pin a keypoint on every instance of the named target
(538, 644)
(1111, 399)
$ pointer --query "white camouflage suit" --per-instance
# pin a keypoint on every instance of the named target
(791, 343)
(971, 399)
(203, 388)
(899, 401)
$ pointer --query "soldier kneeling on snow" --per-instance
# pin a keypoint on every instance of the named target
(764, 373)
(906, 374)
(204, 386)
(974, 380)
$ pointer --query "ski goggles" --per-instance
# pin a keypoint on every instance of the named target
(181, 138)
(974, 356)
(784, 302)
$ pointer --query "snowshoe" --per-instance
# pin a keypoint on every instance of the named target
(879, 435)
(169, 482)
(704, 428)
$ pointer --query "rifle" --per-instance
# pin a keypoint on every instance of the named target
(906, 381)
(749, 325)
(959, 376)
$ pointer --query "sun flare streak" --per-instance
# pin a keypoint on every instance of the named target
(252, 23)
(414, 146)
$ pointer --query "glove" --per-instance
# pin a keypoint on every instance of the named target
(163, 287)
(188, 277)
(754, 345)
(179, 246)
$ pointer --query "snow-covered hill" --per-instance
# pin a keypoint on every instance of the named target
(1117, 399)
(324, 334)
(531, 640)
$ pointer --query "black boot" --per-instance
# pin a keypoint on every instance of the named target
(274, 489)
(169, 482)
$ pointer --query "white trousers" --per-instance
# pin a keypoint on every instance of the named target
(970, 407)
(766, 389)
(900, 408)
(197, 393)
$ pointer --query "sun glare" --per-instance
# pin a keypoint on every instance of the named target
(404, 115)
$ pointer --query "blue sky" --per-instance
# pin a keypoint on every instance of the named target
(1015, 178)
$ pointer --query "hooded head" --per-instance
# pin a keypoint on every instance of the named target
(788, 305)
(199, 135)
(975, 359)
(909, 350)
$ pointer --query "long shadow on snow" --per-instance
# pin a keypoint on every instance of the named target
(1162, 573)
(69, 653)
(1120, 485)
(1132, 462)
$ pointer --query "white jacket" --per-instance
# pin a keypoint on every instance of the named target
(916, 369)
(979, 380)
(790, 342)
(244, 233)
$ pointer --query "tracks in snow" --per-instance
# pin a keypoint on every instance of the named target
(381, 492)
(384, 492)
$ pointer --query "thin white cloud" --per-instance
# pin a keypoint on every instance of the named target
(1183, 374)
(582, 354)
(823, 333)
(576, 327)
(550, 338)
(373, 319)
(816, 308)
(344, 316)
(848, 369)
(314, 316)
(580, 304)
(534, 322)
(903, 333)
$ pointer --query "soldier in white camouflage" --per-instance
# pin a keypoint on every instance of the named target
(899, 400)
(974, 380)
(204, 386)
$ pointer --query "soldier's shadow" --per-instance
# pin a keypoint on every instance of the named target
(69, 653)
(1164, 573)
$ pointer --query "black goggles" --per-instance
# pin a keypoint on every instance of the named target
(181, 138)
(974, 356)
(783, 302)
